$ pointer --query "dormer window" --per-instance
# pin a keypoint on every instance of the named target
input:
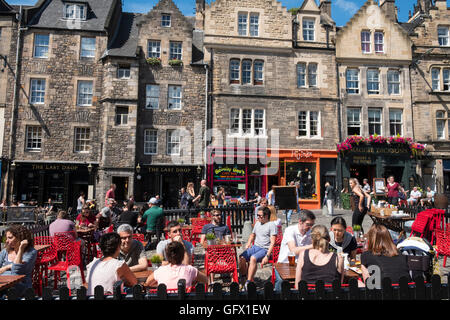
(166, 20)
(75, 11)
(308, 29)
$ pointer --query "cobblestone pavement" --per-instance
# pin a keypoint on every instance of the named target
(264, 274)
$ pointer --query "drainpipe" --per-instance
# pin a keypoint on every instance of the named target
(206, 119)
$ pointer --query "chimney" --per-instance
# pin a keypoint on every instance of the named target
(441, 4)
(325, 7)
(199, 14)
(388, 7)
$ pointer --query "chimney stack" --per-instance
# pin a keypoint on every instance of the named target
(325, 7)
(200, 14)
(388, 7)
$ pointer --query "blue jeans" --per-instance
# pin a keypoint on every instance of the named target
(278, 281)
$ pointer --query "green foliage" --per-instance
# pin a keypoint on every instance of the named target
(293, 11)
(210, 236)
(154, 61)
(156, 259)
(175, 62)
(356, 227)
(345, 198)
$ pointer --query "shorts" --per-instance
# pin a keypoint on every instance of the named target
(254, 251)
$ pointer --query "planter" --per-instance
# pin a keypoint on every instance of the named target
(176, 63)
(154, 62)
(211, 242)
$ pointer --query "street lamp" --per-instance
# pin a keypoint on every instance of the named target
(89, 167)
(138, 168)
(199, 170)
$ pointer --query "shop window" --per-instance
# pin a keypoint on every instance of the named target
(305, 174)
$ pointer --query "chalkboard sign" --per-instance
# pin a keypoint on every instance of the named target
(286, 197)
(20, 214)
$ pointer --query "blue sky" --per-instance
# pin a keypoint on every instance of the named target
(342, 10)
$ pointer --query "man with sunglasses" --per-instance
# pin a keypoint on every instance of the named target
(174, 233)
(132, 251)
(296, 238)
(216, 226)
(264, 234)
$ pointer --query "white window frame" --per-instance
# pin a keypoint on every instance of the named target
(395, 122)
(235, 71)
(33, 138)
(312, 75)
(150, 141)
(440, 118)
(446, 79)
(37, 91)
(379, 42)
(258, 72)
(443, 37)
(235, 120)
(39, 44)
(349, 89)
(366, 41)
(174, 140)
(75, 11)
(373, 121)
(436, 81)
(164, 21)
(393, 83)
(87, 53)
(254, 25)
(86, 95)
(82, 139)
(151, 95)
(354, 123)
(373, 78)
(123, 72)
(307, 122)
(238, 114)
(176, 50)
(308, 29)
(242, 24)
(175, 100)
(246, 73)
(154, 49)
(121, 119)
(301, 76)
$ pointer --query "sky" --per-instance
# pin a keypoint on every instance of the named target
(341, 10)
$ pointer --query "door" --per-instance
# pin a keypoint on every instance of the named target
(170, 190)
(121, 192)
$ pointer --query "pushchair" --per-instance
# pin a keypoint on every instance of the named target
(420, 257)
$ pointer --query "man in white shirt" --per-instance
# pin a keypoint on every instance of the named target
(414, 196)
(296, 238)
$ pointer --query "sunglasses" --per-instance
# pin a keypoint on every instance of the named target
(260, 215)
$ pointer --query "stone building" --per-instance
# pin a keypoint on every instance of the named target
(428, 27)
(373, 55)
(273, 96)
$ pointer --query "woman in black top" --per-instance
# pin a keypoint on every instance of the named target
(359, 210)
(221, 197)
(382, 252)
(319, 263)
(340, 239)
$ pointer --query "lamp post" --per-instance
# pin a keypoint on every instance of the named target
(199, 172)
(13, 180)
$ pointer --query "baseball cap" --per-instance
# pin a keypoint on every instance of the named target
(153, 200)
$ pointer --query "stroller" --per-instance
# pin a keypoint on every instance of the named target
(420, 257)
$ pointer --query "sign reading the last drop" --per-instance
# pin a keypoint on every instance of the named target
(229, 173)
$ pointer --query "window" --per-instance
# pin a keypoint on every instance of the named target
(373, 81)
(440, 124)
(33, 138)
(88, 47)
(247, 122)
(154, 49)
(379, 42)
(37, 92)
(308, 124)
(174, 98)
(396, 122)
(374, 121)
(121, 116)
(443, 36)
(175, 50)
(301, 75)
(150, 142)
(41, 44)
(242, 24)
(352, 81)
(258, 72)
(446, 79)
(152, 96)
(75, 11)
(166, 20)
(365, 41)
(312, 75)
(234, 70)
(393, 79)
(308, 29)
(173, 142)
(353, 121)
(123, 72)
(435, 79)
(254, 25)
(246, 72)
(85, 92)
(82, 138)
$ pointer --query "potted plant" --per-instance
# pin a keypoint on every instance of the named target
(181, 221)
(175, 62)
(154, 61)
(356, 230)
(211, 238)
(156, 261)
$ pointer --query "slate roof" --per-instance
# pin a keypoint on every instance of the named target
(125, 41)
(5, 7)
(411, 26)
(50, 15)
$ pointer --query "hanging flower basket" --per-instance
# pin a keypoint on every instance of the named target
(416, 149)
(154, 61)
(175, 62)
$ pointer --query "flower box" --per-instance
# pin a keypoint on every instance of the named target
(175, 62)
(154, 61)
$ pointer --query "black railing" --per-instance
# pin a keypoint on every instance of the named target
(414, 210)
(420, 290)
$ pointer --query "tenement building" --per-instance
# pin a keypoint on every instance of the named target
(273, 96)
(428, 27)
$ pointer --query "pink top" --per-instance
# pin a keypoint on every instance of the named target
(170, 274)
(393, 190)
(109, 195)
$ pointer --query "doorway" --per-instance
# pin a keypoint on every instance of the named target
(170, 190)
(363, 172)
(121, 192)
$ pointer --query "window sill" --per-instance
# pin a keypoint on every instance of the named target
(309, 138)
(246, 136)
(82, 152)
(33, 150)
(439, 92)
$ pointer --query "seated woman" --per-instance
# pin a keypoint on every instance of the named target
(382, 252)
(319, 263)
(170, 274)
(108, 270)
(429, 198)
(85, 218)
(341, 240)
(19, 256)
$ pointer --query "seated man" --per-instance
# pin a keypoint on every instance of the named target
(104, 217)
(264, 234)
(132, 251)
(414, 196)
(62, 224)
(216, 226)
(174, 233)
(296, 239)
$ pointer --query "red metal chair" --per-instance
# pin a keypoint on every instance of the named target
(70, 252)
(443, 242)
(422, 223)
(188, 290)
(44, 258)
(221, 259)
(273, 260)
(349, 229)
(197, 225)
(139, 237)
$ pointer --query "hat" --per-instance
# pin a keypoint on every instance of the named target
(153, 200)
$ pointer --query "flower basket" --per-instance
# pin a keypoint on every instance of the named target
(175, 63)
(154, 61)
